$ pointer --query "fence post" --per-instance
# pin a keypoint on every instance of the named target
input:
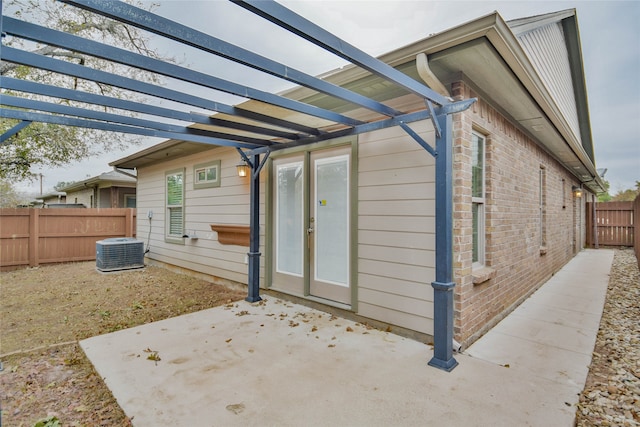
(34, 237)
(636, 228)
(128, 222)
(594, 216)
(590, 221)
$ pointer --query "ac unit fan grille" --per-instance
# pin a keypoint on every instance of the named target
(119, 254)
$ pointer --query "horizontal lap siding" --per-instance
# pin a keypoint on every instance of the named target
(396, 223)
(227, 204)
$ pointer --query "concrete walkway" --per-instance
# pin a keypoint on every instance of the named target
(279, 364)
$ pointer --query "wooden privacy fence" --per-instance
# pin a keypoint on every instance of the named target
(30, 237)
(636, 233)
(614, 224)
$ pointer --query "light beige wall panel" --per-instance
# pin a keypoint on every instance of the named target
(419, 208)
(400, 303)
(227, 204)
(394, 317)
(421, 174)
(407, 224)
(412, 273)
(408, 191)
(394, 239)
(397, 255)
(419, 290)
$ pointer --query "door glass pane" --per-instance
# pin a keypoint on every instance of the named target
(289, 218)
(332, 220)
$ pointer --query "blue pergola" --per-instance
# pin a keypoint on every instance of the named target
(271, 133)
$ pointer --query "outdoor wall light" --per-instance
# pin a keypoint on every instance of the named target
(577, 191)
(243, 169)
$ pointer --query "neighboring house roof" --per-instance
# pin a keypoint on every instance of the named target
(114, 178)
(44, 198)
(499, 60)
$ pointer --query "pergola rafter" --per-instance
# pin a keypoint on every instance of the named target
(301, 124)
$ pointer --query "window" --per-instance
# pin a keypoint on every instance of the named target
(175, 204)
(543, 207)
(206, 175)
(129, 201)
(478, 197)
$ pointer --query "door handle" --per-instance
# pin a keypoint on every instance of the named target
(309, 232)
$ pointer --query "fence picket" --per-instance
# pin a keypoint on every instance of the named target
(30, 237)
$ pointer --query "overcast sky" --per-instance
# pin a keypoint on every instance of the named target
(609, 31)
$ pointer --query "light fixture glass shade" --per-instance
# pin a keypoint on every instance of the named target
(243, 170)
(577, 191)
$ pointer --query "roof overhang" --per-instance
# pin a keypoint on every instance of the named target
(158, 153)
(487, 55)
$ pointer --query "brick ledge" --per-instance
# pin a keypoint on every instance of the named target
(483, 274)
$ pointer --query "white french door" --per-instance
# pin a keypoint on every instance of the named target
(329, 226)
(311, 223)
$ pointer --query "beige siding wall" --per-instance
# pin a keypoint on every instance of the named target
(227, 204)
(513, 250)
(82, 196)
(396, 217)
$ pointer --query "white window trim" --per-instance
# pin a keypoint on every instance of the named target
(197, 184)
(481, 202)
(174, 238)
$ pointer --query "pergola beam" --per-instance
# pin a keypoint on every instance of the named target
(100, 50)
(137, 107)
(14, 130)
(148, 21)
(113, 127)
(289, 20)
(63, 67)
(49, 107)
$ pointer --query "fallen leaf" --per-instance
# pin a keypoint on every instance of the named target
(349, 329)
(229, 340)
(236, 408)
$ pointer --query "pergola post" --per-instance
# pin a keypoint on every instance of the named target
(444, 284)
(253, 294)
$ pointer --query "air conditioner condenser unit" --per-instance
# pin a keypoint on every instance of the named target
(119, 253)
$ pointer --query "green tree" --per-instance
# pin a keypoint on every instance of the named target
(605, 197)
(627, 195)
(9, 197)
(62, 184)
(50, 145)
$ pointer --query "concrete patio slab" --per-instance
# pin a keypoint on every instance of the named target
(281, 364)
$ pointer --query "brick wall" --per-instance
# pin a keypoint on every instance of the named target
(518, 261)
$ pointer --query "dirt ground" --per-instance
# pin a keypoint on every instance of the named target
(45, 311)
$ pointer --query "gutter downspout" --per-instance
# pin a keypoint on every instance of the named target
(425, 73)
